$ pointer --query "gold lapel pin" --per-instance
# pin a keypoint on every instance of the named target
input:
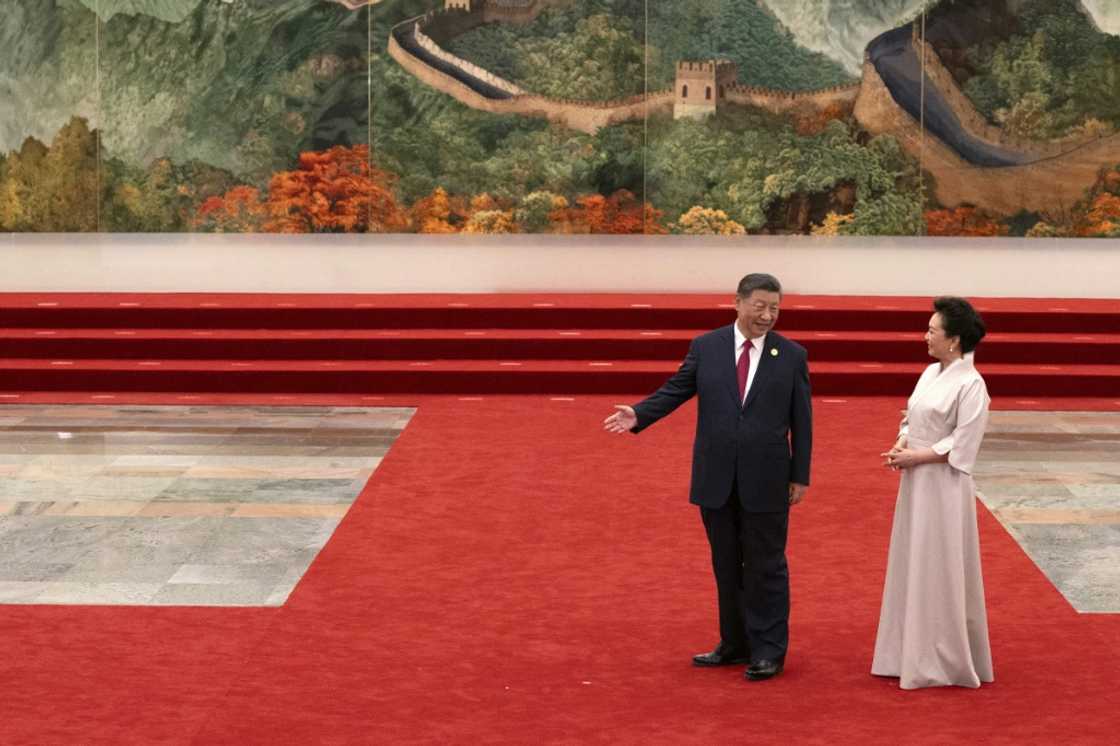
(773, 351)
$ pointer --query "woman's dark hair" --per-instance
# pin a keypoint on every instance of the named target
(758, 281)
(960, 319)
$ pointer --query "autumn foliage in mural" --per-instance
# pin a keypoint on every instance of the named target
(620, 213)
(438, 213)
(51, 188)
(706, 221)
(962, 221)
(239, 210)
(332, 191)
(340, 191)
(814, 123)
(1102, 207)
(1095, 216)
(1103, 218)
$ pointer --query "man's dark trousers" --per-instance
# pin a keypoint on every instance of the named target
(752, 577)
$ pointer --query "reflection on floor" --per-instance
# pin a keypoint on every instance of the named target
(179, 505)
(1053, 480)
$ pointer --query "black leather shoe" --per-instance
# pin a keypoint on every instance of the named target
(723, 655)
(764, 669)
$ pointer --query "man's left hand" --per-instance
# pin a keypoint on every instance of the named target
(796, 492)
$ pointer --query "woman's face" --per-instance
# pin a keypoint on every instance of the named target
(937, 343)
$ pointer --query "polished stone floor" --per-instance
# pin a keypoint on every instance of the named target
(1053, 480)
(177, 505)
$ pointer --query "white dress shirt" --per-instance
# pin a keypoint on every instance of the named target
(755, 353)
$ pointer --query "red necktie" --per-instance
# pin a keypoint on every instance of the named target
(743, 369)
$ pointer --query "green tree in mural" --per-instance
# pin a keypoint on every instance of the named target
(773, 166)
(1058, 77)
(535, 215)
(161, 198)
(741, 31)
(69, 186)
(1095, 87)
(600, 60)
(588, 50)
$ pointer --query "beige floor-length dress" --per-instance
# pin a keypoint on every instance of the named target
(933, 626)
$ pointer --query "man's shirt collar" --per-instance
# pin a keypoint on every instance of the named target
(740, 338)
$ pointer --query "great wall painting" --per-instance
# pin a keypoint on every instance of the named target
(731, 117)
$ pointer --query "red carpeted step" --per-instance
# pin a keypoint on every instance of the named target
(346, 344)
(512, 344)
(540, 343)
(499, 376)
(525, 311)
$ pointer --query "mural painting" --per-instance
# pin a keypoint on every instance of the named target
(727, 117)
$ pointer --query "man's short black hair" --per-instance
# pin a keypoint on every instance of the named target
(758, 281)
(960, 319)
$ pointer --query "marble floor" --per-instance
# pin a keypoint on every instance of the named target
(177, 505)
(1053, 480)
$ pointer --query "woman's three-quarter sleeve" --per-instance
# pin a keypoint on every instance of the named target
(972, 418)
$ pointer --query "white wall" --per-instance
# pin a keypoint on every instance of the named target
(408, 263)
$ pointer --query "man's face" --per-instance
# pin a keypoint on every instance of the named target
(758, 312)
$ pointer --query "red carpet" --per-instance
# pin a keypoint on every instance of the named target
(512, 574)
(514, 343)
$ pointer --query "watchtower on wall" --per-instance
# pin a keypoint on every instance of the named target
(701, 86)
(460, 4)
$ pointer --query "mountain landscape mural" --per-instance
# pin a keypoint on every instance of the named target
(727, 117)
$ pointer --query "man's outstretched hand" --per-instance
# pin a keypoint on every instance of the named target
(622, 421)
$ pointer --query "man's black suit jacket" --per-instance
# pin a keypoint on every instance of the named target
(763, 445)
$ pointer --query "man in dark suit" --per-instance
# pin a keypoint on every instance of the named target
(750, 463)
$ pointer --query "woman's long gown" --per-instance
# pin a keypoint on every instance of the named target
(933, 627)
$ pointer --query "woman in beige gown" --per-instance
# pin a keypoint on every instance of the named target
(933, 627)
